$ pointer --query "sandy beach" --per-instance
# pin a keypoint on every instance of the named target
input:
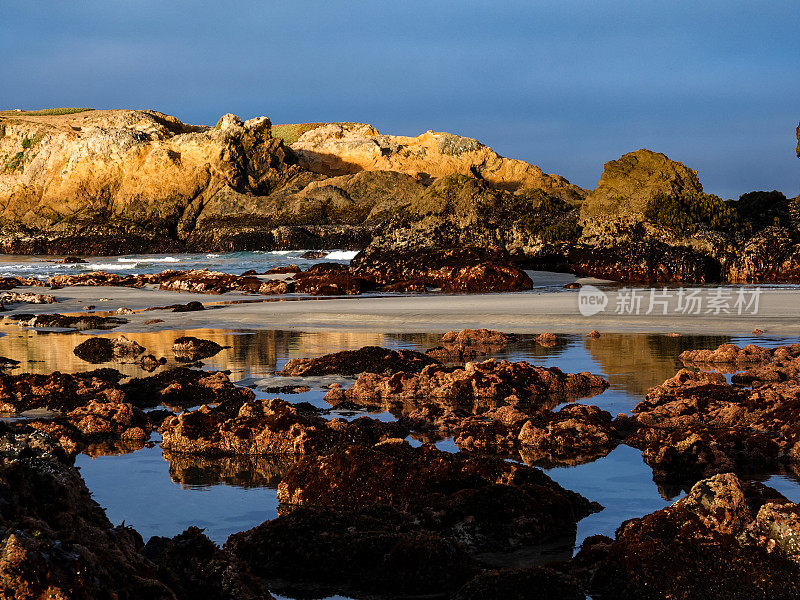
(526, 312)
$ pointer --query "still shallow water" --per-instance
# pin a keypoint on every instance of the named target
(159, 497)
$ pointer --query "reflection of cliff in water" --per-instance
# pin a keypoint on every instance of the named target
(192, 470)
(249, 353)
(635, 363)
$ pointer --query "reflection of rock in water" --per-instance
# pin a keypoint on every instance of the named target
(115, 448)
(638, 362)
(240, 471)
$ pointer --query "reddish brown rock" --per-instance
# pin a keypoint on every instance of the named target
(489, 382)
(331, 282)
(58, 391)
(183, 388)
(8, 283)
(101, 349)
(209, 282)
(264, 427)
(459, 346)
(489, 504)
(369, 359)
(547, 339)
(275, 286)
(696, 549)
(283, 270)
(697, 424)
(190, 349)
(730, 353)
(451, 269)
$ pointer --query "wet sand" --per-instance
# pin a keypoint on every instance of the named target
(524, 312)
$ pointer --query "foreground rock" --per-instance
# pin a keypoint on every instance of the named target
(486, 505)
(369, 359)
(573, 435)
(460, 346)
(487, 383)
(704, 546)
(99, 350)
(266, 427)
(697, 424)
(57, 542)
(64, 392)
(379, 549)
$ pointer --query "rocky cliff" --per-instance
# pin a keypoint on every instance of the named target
(338, 148)
(120, 181)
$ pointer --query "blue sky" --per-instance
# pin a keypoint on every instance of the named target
(566, 84)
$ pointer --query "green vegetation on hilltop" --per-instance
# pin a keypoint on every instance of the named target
(44, 112)
(291, 132)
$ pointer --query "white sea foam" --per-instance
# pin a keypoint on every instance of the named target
(166, 259)
(341, 255)
(109, 266)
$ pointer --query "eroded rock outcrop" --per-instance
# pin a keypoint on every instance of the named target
(460, 346)
(488, 382)
(701, 547)
(100, 349)
(369, 359)
(489, 504)
(337, 148)
(268, 427)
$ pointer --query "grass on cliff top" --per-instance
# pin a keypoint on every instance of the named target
(44, 112)
(290, 133)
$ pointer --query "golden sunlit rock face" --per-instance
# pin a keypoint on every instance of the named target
(339, 148)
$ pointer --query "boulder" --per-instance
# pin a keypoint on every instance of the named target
(101, 349)
(628, 183)
(369, 359)
(190, 349)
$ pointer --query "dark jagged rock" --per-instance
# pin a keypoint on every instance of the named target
(521, 584)
(369, 359)
(265, 427)
(378, 549)
(99, 350)
(337, 281)
(697, 424)
(695, 549)
(190, 349)
(183, 387)
(487, 505)
(195, 567)
(188, 307)
(460, 346)
(451, 269)
(488, 382)
(79, 322)
(58, 391)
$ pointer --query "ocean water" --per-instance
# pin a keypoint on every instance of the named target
(132, 264)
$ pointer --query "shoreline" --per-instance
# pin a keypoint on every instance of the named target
(522, 312)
